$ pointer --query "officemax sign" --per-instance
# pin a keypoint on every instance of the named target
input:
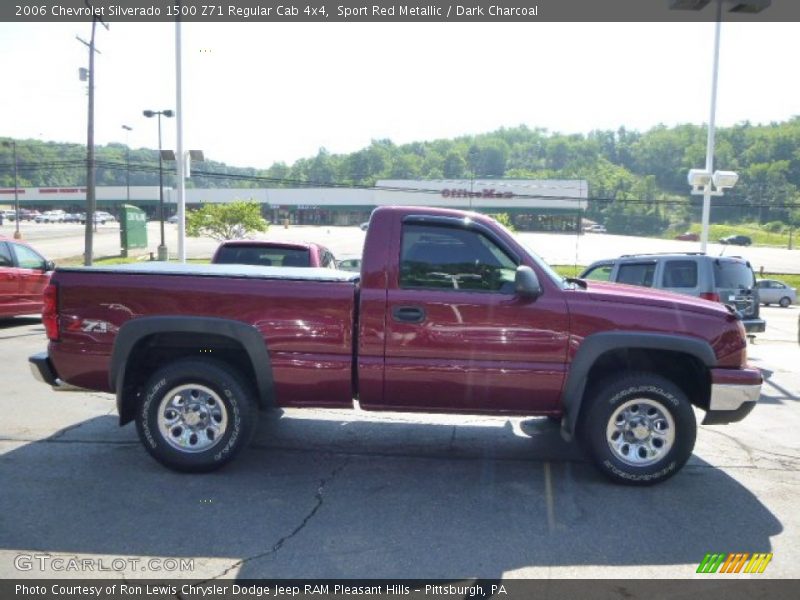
(485, 193)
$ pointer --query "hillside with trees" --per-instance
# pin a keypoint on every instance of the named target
(636, 180)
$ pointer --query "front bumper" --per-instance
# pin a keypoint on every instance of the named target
(734, 394)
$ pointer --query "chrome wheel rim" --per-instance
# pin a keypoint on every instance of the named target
(640, 432)
(192, 418)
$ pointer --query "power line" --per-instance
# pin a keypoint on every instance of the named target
(152, 168)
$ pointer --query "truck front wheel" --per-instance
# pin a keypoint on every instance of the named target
(196, 415)
(639, 429)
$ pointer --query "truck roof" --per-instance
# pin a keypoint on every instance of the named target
(220, 270)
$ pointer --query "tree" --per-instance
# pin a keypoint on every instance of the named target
(226, 221)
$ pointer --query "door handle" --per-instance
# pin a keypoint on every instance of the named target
(408, 314)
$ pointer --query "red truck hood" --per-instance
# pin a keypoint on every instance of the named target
(634, 294)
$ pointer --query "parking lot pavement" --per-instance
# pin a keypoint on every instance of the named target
(349, 494)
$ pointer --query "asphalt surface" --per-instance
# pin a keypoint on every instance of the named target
(326, 493)
(58, 241)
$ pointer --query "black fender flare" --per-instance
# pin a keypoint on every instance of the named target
(135, 330)
(595, 345)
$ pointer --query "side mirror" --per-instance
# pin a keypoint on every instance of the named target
(526, 283)
(49, 265)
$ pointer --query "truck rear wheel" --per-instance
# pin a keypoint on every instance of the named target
(196, 415)
(639, 429)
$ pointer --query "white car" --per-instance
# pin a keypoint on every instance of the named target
(51, 216)
(772, 291)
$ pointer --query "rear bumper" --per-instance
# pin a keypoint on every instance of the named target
(734, 394)
(43, 370)
(754, 325)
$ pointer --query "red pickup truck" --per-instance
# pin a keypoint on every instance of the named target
(450, 313)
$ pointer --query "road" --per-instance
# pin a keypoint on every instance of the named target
(58, 241)
(325, 493)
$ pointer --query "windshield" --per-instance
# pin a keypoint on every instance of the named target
(551, 273)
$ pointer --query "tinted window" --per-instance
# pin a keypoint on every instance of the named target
(680, 274)
(599, 273)
(5, 256)
(453, 258)
(733, 274)
(636, 273)
(27, 258)
(265, 257)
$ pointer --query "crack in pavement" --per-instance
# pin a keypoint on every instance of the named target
(319, 499)
(751, 452)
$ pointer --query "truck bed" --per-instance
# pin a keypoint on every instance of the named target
(308, 333)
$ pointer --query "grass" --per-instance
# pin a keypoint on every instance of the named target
(759, 235)
(77, 261)
(568, 270)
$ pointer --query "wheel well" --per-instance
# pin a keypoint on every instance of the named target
(154, 351)
(684, 370)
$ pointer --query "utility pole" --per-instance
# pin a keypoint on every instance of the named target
(128, 130)
(91, 200)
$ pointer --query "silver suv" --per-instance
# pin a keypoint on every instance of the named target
(726, 279)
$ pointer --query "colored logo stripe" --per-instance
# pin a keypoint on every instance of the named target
(734, 562)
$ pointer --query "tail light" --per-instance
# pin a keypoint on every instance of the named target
(50, 312)
(713, 296)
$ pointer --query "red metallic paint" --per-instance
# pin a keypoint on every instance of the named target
(474, 352)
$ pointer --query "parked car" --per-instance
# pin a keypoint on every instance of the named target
(725, 279)
(24, 274)
(100, 217)
(772, 291)
(274, 254)
(73, 218)
(736, 240)
(453, 315)
(173, 220)
(349, 264)
(688, 237)
(51, 216)
(364, 226)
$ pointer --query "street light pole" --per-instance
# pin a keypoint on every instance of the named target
(708, 176)
(162, 249)
(710, 140)
(128, 159)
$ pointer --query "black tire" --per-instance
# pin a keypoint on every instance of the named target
(223, 422)
(785, 302)
(649, 402)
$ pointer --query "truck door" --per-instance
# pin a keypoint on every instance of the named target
(458, 338)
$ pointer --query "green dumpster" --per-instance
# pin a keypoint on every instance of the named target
(132, 228)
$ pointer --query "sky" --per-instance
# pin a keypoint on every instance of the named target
(258, 93)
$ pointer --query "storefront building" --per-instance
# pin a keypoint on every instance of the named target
(531, 204)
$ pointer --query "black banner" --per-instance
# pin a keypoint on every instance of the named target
(383, 11)
(729, 588)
